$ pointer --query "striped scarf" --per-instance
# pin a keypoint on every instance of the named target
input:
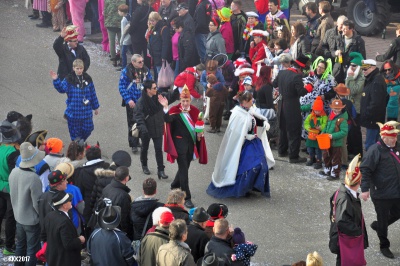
(247, 30)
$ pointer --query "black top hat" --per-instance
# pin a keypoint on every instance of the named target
(9, 133)
(60, 198)
(217, 211)
(301, 61)
(109, 217)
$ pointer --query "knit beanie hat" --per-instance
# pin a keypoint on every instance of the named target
(238, 236)
(54, 145)
(318, 104)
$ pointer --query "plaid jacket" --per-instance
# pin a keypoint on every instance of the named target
(76, 108)
(130, 91)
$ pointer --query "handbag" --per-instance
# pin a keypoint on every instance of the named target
(351, 247)
(135, 131)
(166, 76)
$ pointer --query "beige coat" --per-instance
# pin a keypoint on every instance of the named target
(175, 253)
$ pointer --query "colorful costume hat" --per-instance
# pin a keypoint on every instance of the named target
(71, 33)
(318, 104)
(341, 89)
(353, 173)
(260, 33)
(37, 138)
(224, 14)
(185, 94)
(337, 103)
(357, 58)
(389, 128)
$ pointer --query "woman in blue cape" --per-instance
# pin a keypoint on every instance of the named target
(241, 164)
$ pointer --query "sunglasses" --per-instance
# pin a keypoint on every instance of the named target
(365, 69)
(388, 70)
(353, 65)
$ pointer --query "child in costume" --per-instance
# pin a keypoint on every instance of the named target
(81, 101)
(244, 250)
(314, 124)
(337, 129)
(218, 94)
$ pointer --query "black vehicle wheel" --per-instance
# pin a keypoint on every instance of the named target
(366, 22)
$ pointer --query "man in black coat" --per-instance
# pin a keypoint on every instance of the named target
(143, 207)
(346, 214)
(380, 169)
(149, 117)
(63, 243)
(167, 10)
(202, 18)
(291, 88)
(183, 12)
(188, 56)
(67, 49)
(373, 101)
(118, 192)
(393, 51)
(197, 238)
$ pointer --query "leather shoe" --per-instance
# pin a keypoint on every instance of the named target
(146, 170)
(283, 154)
(162, 175)
(134, 149)
(189, 204)
(43, 25)
(387, 253)
(298, 160)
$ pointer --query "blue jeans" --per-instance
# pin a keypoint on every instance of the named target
(176, 73)
(371, 137)
(124, 50)
(28, 243)
(156, 70)
(315, 151)
(201, 45)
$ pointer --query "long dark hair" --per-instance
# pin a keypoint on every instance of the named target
(264, 78)
(75, 148)
(299, 30)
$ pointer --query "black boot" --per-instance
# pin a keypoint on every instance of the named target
(146, 170)
(162, 175)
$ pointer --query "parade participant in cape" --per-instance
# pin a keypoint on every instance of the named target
(130, 88)
(346, 216)
(380, 169)
(241, 163)
(257, 50)
(181, 142)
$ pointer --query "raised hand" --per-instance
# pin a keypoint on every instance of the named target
(53, 75)
(163, 101)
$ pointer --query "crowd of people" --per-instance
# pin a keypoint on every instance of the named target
(277, 83)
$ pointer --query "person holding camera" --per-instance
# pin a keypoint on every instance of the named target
(82, 100)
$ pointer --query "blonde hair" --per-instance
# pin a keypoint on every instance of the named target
(78, 63)
(314, 259)
(175, 196)
(155, 16)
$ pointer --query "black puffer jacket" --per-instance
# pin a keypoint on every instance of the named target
(104, 177)
(140, 209)
(373, 100)
(159, 44)
(86, 181)
(202, 17)
(178, 212)
(118, 194)
(347, 219)
(381, 172)
(138, 27)
(357, 44)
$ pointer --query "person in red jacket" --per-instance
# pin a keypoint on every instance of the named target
(257, 50)
(189, 77)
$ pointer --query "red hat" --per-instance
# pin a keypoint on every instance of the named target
(71, 33)
(260, 33)
(244, 71)
(240, 61)
(166, 218)
(318, 104)
(389, 128)
(54, 145)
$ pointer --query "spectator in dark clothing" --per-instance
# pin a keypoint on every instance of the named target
(138, 28)
(202, 18)
(313, 20)
(167, 11)
(197, 237)
(186, 46)
(325, 23)
(67, 49)
(118, 192)
(393, 51)
(143, 207)
(238, 22)
(175, 202)
(331, 38)
(188, 22)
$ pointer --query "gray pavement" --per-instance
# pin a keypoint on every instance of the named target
(292, 223)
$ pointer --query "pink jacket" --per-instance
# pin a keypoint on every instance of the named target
(227, 34)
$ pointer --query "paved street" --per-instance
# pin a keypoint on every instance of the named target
(292, 223)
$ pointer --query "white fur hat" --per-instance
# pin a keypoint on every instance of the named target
(242, 71)
(261, 33)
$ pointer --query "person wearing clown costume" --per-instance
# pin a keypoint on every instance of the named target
(380, 169)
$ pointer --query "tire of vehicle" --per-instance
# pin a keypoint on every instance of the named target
(366, 22)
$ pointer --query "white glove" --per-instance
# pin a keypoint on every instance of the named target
(266, 125)
(250, 136)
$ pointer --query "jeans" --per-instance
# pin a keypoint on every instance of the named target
(176, 73)
(371, 137)
(157, 148)
(124, 50)
(156, 70)
(93, 15)
(200, 40)
(28, 243)
(6, 211)
(315, 151)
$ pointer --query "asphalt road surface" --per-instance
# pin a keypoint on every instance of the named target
(286, 227)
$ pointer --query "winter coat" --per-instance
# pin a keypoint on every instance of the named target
(111, 16)
(309, 124)
(110, 247)
(303, 46)
(63, 244)
(66, 57)
(159, 44)
(86, 181)
(244, 252)
(168, 13)
(393, 90)
(189, 24)
(188, 77)
(325, 23)
(238, 22)
(355, 84)
(202, 17)
(152, 125)
(338, 128)
(215, 44)
(45, 206)
(118, 193)
(392, 52)
(380, 171)
(357, 44)
(330, 42)
(138, 27)
(221, 248)
(150, 244)
(197, 240)
(312, 26)
(104, 177)
(175, 253)
(227, 34)
(373, 101)
(348, 218)
(178, 212)
(127, 86)
(187, 50)
(140, 209)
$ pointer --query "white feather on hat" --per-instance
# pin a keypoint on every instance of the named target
(259, 33)
(245, 70)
